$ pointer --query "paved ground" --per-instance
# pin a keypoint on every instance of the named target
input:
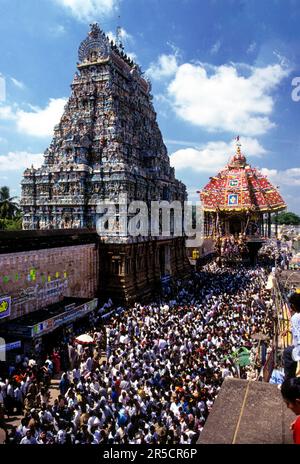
(247, 412)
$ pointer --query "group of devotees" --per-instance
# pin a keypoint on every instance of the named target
(153, 372)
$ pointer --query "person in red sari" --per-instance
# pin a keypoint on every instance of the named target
(290, 391)
(56, 362)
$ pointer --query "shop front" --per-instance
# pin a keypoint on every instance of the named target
(10, 348)
(41, 330)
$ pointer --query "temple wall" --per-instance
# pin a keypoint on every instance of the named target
(133, 272)
(37, 278)
(39, 268)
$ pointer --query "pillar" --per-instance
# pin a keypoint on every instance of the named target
(269, 225)
(276, 225)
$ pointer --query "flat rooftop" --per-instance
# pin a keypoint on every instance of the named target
(289, 278)
(25, 240)
(248, 412)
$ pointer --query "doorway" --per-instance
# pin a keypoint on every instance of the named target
(235, 225)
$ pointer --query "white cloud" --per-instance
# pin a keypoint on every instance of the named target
(2, 88)
(125, 37)
(57, 30)
(41, 122)
(88, 10)
(289, 177)
(215, 48)
(112, 36)
(184, 143)
(223, 99)
(283, 60)
(213, 156)
(17, 83)
(166, 66)
(192, 193)
(20, 160)
(251, 147)
(7, 113)
(175, 49)
(208, 159)
(252, 47)
(132, 55)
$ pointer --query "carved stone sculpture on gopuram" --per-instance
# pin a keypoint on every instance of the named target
(107, 143)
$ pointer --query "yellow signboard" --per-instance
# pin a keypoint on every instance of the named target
(5, 304)
(195, 254)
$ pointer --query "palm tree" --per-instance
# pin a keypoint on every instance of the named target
(9, 207)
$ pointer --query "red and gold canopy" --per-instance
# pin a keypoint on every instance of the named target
(239, 187)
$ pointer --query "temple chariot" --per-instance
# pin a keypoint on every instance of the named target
(238, 205)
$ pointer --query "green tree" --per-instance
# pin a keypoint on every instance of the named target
(9, 207)
(11, 224)
(10, 214)
(287, 218)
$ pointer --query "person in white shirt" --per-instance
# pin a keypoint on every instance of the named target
(76, 374)
(289, 359)
(29, 439)
(88, 364)
(61, 437)
(10, 398)
(76, 416)
(93, 421)
(18, 400)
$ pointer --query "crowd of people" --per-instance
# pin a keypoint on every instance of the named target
(277, 253)
(231, 246)
(164, 366)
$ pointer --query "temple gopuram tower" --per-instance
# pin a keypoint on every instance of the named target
(106, 144)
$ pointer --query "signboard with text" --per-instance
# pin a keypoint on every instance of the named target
(63, 318)
(48, 325)
(11, 346)
(5, 306)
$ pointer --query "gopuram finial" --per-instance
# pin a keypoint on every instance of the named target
(95, 46)
(238, 158)
(95, 30)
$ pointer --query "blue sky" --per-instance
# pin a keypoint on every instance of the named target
(218, 68)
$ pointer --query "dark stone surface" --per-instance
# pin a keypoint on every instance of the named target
(248, 412)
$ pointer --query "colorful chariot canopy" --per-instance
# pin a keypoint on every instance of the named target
(240, 187)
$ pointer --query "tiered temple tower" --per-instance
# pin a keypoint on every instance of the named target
(106, 145)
